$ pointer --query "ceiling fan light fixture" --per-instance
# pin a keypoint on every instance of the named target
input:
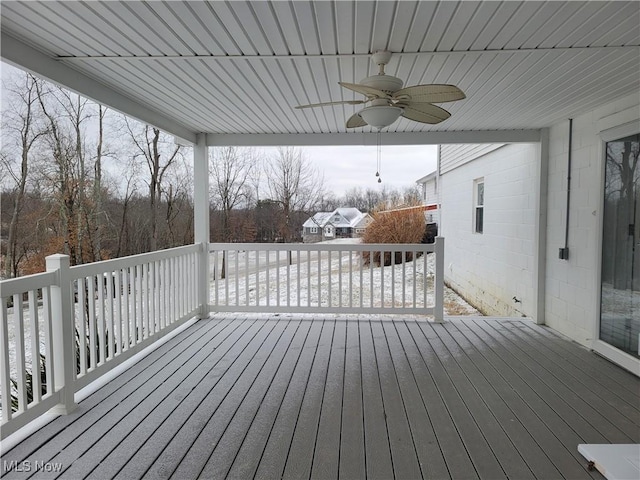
(380, 116)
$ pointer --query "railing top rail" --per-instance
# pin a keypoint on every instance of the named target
(323, 247)
(19, 285)
(97, 268)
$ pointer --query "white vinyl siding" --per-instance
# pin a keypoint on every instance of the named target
(453, 156)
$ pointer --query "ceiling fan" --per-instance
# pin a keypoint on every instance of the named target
(388, 100)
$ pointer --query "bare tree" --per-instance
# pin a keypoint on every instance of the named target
(97, 186)
(63, 179)
(231, 169)
(21, 120)
(295, 185)
(159, 157)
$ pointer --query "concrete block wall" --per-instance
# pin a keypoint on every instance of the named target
(572, 286)
(492, 268)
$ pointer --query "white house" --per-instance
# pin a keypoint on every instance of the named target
(429, 189)
(547, 230)
(341, 223)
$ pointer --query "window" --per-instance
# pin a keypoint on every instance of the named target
(313, 230)
(478, 205)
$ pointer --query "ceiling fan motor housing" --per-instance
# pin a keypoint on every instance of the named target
(387, 83)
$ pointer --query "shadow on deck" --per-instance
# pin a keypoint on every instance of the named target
(242, 396)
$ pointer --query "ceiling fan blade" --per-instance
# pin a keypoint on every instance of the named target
(364, 89)
(433, 93)
(324, 104)
(424, 113)
(356, 121)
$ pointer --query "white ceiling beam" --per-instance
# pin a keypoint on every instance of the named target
(27, 58)
(370, 138)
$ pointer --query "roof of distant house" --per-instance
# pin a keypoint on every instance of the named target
(426, 178)
(339, 218)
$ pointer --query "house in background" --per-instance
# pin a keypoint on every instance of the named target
(428, 186)
(548, 230)
(341, 223)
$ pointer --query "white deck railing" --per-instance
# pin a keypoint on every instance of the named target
(330, 278)
(83, 321)
(64, 328)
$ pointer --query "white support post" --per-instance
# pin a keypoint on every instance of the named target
(64, 350)
(438, 310)
(541, 229)
(201, 219)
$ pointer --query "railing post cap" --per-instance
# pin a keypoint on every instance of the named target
(57, 261)
(56, 256)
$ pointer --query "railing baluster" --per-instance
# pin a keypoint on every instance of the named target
(371, 264)
(350, 278)
(93, 322)
(140, 334)
(82, 323)
(110, 323)
(415, 282)
(329, 276)
(126, 341)
(393, 277)
(48, 338)
(404, 278)
(319, 279)
(21, 377)
(278, 278)
(35, 347)
(5, 368)
(362, 278)
(118, 316)
(268, 291)
(424, 286)
(101, 320)
(216, 278)
(383, 260)
(289, 260)
(298, 278)
(339, 278)
(308, 278)
(154, 291)
(183, 284)
(169, 300)
(237, 277)
(257, 277)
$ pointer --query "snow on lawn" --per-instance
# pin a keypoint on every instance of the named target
(328, 279)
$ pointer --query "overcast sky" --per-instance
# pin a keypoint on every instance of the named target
(347, 167)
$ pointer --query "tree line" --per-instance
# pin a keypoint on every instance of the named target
(80, 179)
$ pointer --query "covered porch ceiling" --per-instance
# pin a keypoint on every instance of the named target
(236, 70)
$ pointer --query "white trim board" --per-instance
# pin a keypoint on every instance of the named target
(614, 461)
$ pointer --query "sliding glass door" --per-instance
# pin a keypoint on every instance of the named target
(620, 300)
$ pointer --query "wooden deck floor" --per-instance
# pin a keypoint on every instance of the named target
(333, 398)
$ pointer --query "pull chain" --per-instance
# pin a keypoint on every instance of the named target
(379, 157)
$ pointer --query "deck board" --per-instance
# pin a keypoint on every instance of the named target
(578, 398)
(352, 451)
(548, 457)
(242, 397)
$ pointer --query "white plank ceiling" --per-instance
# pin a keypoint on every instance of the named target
(238, 67)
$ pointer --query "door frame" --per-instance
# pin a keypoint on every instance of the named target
(601, 347)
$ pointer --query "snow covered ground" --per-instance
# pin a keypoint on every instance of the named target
(335, 279)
